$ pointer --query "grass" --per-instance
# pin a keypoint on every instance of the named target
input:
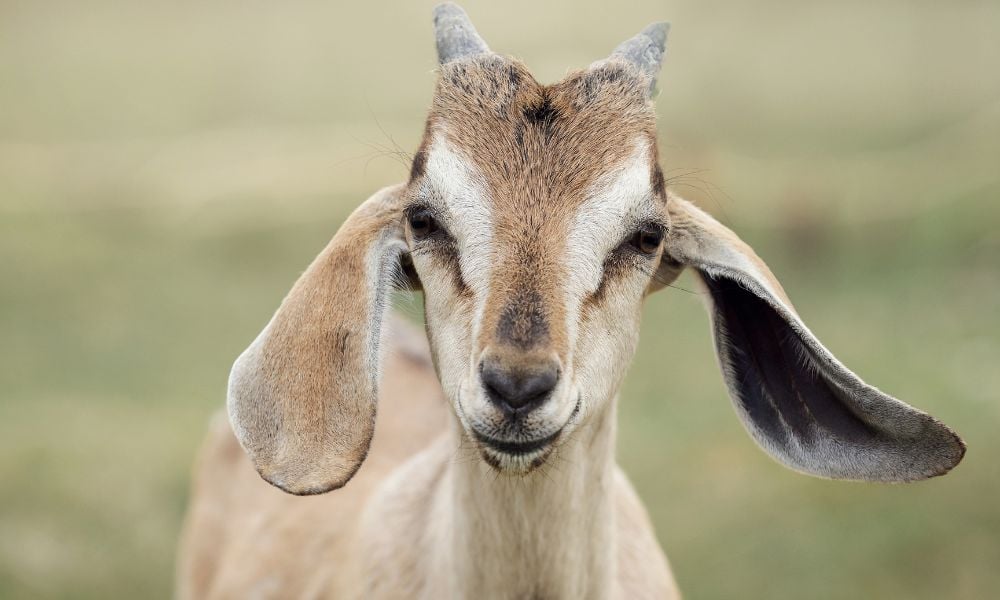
(167, 171)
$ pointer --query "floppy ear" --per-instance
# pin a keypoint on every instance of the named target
(799, 403)
(302, 396)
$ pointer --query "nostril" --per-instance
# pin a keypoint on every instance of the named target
(518, 389)
(498, 383)
(494, 389)
(538, 385)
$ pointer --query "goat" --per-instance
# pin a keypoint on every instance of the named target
(535, 221)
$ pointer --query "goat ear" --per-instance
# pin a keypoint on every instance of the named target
(799, 403)
(302, 396)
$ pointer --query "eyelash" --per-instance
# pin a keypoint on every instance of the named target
(632, 245)
(424, 215)
(435, 237)
(626, 256)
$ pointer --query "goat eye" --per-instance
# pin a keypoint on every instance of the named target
(647, 239)
(422, 223)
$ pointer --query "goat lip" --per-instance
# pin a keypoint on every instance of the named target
(516, 448)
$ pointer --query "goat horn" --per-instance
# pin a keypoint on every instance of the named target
(645, 50)
(456, 37)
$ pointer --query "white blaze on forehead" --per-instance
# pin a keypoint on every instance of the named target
(462, 192)
(459, 190)
(615, 204)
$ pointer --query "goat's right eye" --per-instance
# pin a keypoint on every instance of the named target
(422, 223)
(647, 239)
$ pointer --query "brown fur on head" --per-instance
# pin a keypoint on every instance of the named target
(535, 221)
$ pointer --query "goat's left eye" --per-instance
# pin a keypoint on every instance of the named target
(422, 223)
(647, 239)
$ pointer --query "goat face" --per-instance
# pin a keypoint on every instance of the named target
(534, 220)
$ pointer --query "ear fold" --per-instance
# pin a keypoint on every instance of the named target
(799, 403)
(302, 396)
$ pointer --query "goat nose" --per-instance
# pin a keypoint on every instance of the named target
(518, 390)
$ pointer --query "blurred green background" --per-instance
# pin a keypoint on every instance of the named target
(168, 168)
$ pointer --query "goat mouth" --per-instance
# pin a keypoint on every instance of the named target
(516, 448)
(520, 456)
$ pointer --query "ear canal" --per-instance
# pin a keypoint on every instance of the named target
(455, 35)
(302, 397)
(644, 51)
(798, 402)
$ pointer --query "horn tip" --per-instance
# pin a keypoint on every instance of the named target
(456, 36)
(657, 33)
(646, 50)
(446, 10)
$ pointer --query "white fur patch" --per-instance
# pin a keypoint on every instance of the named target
(461, 193)
(617, 202)
(456, 181)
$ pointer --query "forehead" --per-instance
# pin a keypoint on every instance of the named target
(537, 147)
